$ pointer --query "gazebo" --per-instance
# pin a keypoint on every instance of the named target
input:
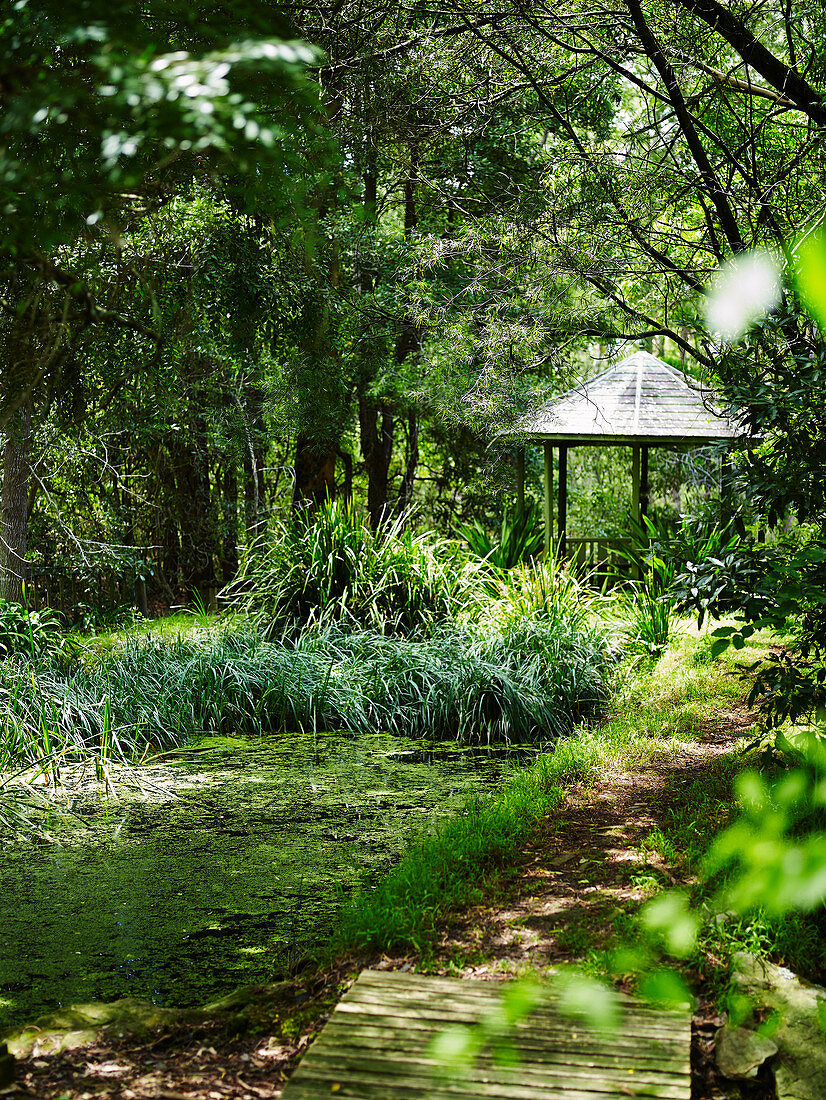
(639, 402)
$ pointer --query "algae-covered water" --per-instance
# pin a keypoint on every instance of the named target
(228, 878)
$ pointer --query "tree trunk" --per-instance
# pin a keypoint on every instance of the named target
(411, 461)
(229, 542)
(315, 473)
(254, 487)
(376, 429)
(14, 512)
(199, 535)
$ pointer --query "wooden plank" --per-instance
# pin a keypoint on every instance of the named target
(465, 1012)
(594, 1078)
(353, 1082)
(375, 1047)
(575, 1054)
(629, 1047)
(381, 980)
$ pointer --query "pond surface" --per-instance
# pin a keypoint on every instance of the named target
(179, 900)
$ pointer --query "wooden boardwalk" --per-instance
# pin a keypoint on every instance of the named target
(374, 1047)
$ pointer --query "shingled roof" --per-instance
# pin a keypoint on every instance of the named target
(640, 399)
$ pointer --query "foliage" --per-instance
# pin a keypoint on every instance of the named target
(774, 853)
(99, 105)
(33, 633)
(649, 619)
(779, 586)
(105, 115)
(329, 566)
(529, 681)
(519, 538)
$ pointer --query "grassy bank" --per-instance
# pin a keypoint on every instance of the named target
(519, 679)
(656, 709)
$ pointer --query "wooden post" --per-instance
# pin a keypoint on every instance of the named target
(520, 481)
(726, 487)
(636, 480)
(643, 480)
(562, 507)
(548, 486)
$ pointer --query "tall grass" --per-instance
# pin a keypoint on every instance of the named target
(518, 540)
(529, 681)
(331, 567)
(395, 637)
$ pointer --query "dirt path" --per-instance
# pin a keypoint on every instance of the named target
(586, 870)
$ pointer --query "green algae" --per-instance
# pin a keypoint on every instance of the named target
(230, 880)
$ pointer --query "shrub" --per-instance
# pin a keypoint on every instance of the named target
(528, 680)
(332, 568)
(520, 538)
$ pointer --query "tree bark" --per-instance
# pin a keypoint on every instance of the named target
(199, 542)
(713, 185)
(315, 473)
(254, 487)
(411, 461)
(785, 80)
(14, 511)
(376, 431)
(229, 545)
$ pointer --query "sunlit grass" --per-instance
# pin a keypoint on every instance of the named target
(656, 710)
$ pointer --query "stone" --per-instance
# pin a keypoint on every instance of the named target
(78, 1025)
(740, 1052)
(800, 1066)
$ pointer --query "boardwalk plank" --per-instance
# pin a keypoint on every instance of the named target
(535, 1052)
(375, 1047)
(595, 1079)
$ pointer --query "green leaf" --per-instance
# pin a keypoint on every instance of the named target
(809, 272)
(665, 987)
(669, 917)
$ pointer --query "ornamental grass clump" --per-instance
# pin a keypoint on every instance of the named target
(331, 567)
(528, 679)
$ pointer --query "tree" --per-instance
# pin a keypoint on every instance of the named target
(105, 116)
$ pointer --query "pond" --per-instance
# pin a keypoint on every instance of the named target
(228, 878)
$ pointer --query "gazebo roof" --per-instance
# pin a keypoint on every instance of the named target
(640, 399)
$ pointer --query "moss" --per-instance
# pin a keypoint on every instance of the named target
(228, 880)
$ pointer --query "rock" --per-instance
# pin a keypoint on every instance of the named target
(800, 1067)
(79, 1025)
(6, 1066)
(740, 1053)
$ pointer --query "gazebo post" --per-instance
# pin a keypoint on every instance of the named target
(548, 486)
(520, 481)
(643, 480)
(562, 506)
(726, 509)
(636, 494)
